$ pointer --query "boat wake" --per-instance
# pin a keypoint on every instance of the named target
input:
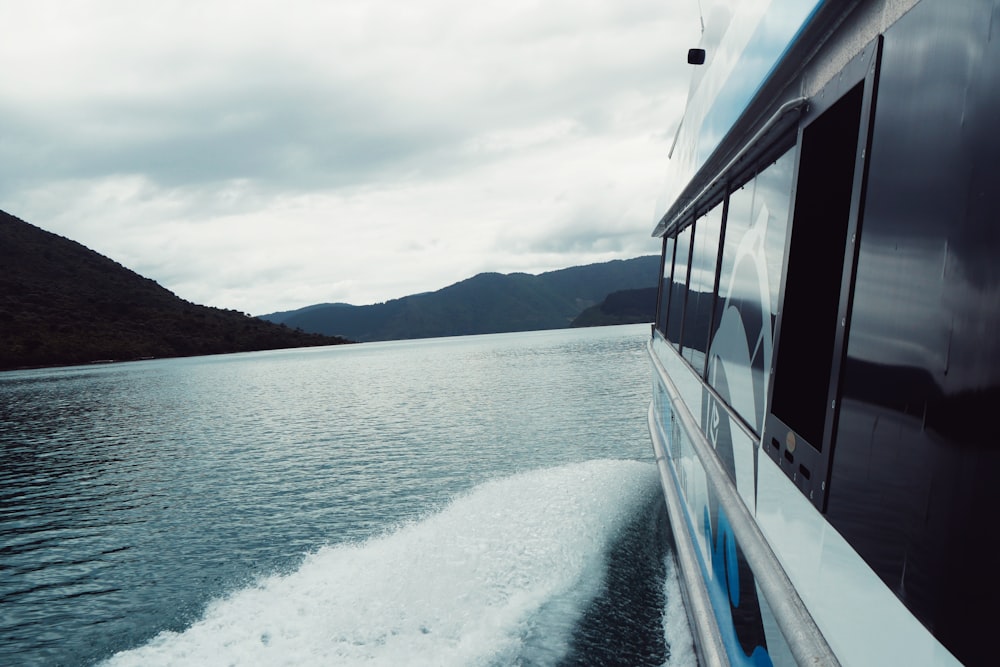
(516, 571)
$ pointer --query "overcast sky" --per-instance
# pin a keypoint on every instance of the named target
(267, 155)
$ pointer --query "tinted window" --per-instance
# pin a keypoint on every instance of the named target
(668, 267)
(701, 287)
(810, 319)
(749, 281)
(678, 288)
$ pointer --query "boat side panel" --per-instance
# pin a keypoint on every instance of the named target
(862, 620)
(902, 568)
(916, 450)
(750, 638)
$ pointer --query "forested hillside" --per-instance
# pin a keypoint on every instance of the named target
(62, 303)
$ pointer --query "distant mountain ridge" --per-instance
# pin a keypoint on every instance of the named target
(484, 303)
(62, 303)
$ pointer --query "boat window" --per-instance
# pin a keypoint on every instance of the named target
(809, 321)
(756, 227)
(678, 286)
(772, 202)
(668, 268)
(701, 287)
(734, 292)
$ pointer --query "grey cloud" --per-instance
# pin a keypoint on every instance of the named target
(276, 122)
(422, 124)
(281, 140)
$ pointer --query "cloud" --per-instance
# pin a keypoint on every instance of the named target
(260, 156)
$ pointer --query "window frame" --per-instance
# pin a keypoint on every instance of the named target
(809, 467)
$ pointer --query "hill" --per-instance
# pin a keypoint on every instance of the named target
(62, 303)
(485, 303)
(625, 307)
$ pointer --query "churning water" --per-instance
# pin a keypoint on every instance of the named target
(484, 500)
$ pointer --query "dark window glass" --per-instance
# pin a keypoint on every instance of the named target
(678, 287)
(668, 267)
(810, 319)
(701, 287)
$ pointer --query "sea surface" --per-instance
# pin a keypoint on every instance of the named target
(479, 500)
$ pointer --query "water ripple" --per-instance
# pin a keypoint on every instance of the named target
(132, 495)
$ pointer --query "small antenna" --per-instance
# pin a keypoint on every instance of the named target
(701, 17)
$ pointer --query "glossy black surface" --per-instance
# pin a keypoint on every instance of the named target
(815, 268)
(817, 287)
(916, 449)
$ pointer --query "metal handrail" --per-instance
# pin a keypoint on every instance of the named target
(669, 218)
(806, 641)
(708, 639)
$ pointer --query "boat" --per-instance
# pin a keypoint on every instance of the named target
(826, 351)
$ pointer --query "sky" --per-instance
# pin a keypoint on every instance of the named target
(266, 156)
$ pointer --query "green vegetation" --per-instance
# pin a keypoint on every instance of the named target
(486, 303)
(62, 303)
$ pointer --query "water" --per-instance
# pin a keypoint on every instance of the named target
(484, 500)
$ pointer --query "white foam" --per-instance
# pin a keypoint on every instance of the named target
(676, 630)
(514, 558)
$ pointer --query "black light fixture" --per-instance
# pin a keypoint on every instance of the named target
(696, 56)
